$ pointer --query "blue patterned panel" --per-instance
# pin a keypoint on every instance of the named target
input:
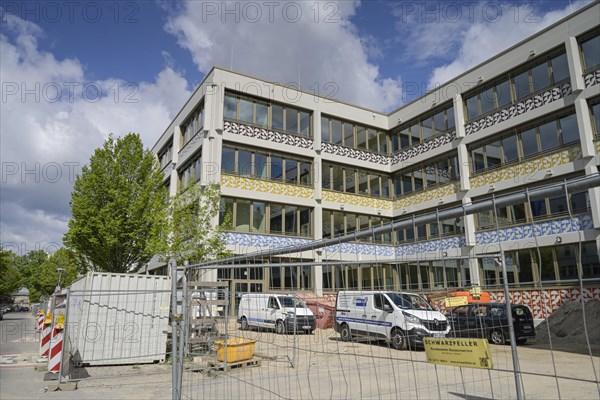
(262, 241)
(430, 246)
(543, 228)
(359, 249)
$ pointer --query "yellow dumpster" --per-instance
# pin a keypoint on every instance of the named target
(237, 349)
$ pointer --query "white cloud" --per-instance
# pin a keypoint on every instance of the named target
(51, 120)
(462, 39)
(310, 42)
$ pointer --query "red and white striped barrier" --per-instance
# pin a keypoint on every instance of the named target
(45, 339)
(56, 347)
(41, 319)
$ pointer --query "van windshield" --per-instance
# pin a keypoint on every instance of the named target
(409, 301)
(291, 302)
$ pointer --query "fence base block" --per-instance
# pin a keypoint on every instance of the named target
(63, 387)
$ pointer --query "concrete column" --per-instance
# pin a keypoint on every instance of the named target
(459, 116)
(594, 194)
(318, 210)
(474, 269)
(584, 124)
(575, 67)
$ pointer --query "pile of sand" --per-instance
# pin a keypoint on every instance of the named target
(567, 323)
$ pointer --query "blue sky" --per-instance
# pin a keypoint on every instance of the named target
(74, 72)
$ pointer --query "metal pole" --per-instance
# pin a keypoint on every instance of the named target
(183, 330)
(513, 340)
(175, 392)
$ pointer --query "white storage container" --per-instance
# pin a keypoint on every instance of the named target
(118, 319)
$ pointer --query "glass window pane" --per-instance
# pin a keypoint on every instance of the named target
(443, 171)
(580, 202)
(472, 107)
(549, 136)
(262, 114)
(407, 186)
(431, 175)
(326, 176)
(338, 223)
(336, 131)
(291, 220)
(383, 148)
(477, 159)
(450, 118)
(529, 142)
(228, 160)
(591, 52)
(547, 267)
(589, 260)
(538, 208)
(244, 163)
(560, 68)
(276, 168)
(503, 93)
(540, 77)
(558, 205)
(385, 186)
(276, 218)
(404, 139)
(291, 120)
(325, 129)
(439, 122)
(348, 135)
(374, 185)
(350, 223)
(372, 134)
(596, 118)
(363, 183)
(492, 151)
(305, 221)
(230, 107)
(304, 123)
(568, 129)
(326, 223)
(277, 117)
(291, 171)
(487, 100)
(260, 165)
(522, 88)
(418, 179)
(566, 258)
(427, 128)
(242, 216)
(350, 181)
(338, 179)
(415, 133)
(525, 266)
(509, 146)
(225, 209)
(518, 213)
(305, 168)
(246, 110)
(258, 217)
(361, 138)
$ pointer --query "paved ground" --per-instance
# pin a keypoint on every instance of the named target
(324, 367)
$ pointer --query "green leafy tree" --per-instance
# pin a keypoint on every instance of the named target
(47, 274)
(10, 279)
(117, 207)
(194, 236)
(29, 265)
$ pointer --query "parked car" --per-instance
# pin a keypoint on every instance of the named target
(489, 320)
(281, 312)
(403, 319)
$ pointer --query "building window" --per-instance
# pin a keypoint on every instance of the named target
(420, 129)
(192, 125)
(433, 173)
(191, 172)
(523, 143)
(165, 156)
(595, 110)
(267, 115)
(348, 134)
(355, 181)
(590, 53)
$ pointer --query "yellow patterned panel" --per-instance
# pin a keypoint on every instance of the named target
(363, 201)
(257, 185)
(427, 195)
(527, 168)
(597, 146)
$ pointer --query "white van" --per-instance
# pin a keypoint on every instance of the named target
(398, 317)
(275, 311)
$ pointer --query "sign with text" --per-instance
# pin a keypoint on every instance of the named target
(456, 301)
(470, 353)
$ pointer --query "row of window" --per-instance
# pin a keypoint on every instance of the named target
(192, 125)
(268, 115)
(554, 206)
(590, 52)
(266, 165)
(595, 110)
(275, 277)
(355, 181)
(267, 218)
(555, 263)
(518, 85)
(523, 143)
(426, 176)
(191, 173)
(351, 135)
(165, 156)
(422, 128)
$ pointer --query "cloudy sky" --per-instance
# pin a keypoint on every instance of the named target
(73, 72)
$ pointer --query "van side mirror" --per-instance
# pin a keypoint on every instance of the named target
(387, 308)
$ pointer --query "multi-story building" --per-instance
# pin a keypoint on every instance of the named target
(294, 166)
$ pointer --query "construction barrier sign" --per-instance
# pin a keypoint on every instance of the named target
(456, 301)
(470, 353)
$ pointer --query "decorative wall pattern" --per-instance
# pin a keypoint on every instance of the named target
(591, 79)
(427, 195)
(509, 112)
(423, 147)
(544, 302)
(266, 134)
(355, 153)
(452, 242)
(262, 241)
(191, 145)
(364, 249)
(258, 185)
(543, 228)
(597, 146)
(520, 171)
(363, 201)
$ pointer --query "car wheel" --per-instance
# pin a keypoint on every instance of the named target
(280, 328)
(398, 339)
(497, 337)
(345, 333)
(522, 341)
(244, 324)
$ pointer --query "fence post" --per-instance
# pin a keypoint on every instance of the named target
(513, 342)
(175, 389)
(183, 329)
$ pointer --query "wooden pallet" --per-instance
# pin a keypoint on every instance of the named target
(218, 365)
